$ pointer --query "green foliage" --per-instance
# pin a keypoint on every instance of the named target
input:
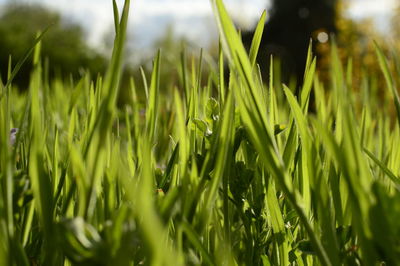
(64, 46)
(247, 178)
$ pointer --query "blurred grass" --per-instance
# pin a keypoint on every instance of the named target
(248, 175)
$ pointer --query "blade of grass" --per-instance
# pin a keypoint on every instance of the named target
(389, 80)
(152, 108)
(393, 177)
(255, 44)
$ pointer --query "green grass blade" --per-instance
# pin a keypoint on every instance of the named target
(221, 74)
(194, 239)
(255, 44)
(306, 139)
(152, 108)
(389, 80)
(225, 146)
(278, 224)
(393, 177)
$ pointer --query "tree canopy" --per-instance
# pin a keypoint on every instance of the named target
(63, 46)
(290, 26)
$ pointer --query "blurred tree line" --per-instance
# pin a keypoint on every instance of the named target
(293, 23)
(356, 42)
(64, 47)
(290, 26)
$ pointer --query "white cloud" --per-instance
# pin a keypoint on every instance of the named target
(367, 8)
(379, 11)
(171, 7)
(96, 15)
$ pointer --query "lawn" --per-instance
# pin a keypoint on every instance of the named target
(239, 171)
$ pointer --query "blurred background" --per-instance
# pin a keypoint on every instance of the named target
(81, 37)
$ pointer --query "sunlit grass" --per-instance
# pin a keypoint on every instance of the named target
(248, 177)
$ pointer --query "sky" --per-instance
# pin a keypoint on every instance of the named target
(192, 19)
(149, 18)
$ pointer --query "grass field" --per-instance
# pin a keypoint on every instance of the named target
(236, 172)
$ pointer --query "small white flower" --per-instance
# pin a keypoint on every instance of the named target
(13, 135)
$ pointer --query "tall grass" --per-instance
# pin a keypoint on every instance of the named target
(249, 175)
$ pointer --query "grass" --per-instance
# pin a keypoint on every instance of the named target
(234, 172)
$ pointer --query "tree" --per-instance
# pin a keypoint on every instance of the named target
(63, 45)
(291, 25)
